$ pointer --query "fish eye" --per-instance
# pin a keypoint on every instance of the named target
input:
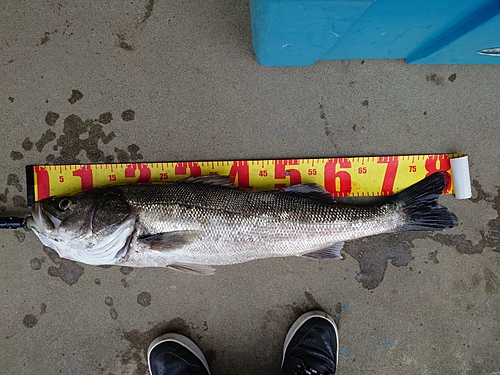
(65, 203)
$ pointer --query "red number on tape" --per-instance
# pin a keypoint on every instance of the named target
(194, 169)
(282, 172)
(85, 174)
(334, 176)
(144, 173)
(390, 173)
(439, 163)
(42, 183)
(241, 170)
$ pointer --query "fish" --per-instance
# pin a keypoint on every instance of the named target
(196, 223)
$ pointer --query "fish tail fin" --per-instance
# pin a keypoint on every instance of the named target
(420, 204)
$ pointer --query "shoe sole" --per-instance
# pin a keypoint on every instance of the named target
(182, 340)
(304, 318)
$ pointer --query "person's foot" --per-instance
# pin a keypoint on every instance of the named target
(175, 354)
(311, 345)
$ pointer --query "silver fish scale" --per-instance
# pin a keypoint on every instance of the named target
(236, 226)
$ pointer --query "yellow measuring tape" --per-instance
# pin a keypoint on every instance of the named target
(355, 176)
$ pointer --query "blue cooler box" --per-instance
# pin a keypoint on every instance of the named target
(299, 32)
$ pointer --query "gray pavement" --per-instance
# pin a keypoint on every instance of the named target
(411, 303)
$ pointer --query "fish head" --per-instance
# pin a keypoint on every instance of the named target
(92, 227)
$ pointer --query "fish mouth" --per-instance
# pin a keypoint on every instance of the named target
(42, 221)
(45, 226)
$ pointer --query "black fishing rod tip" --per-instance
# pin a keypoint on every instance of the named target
(11, 222)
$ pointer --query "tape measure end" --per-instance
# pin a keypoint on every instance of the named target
(461, 177)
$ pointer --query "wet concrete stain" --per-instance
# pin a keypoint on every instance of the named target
(128, 115)
(35, 264)
(13, 180)
(459, 242)
(45, 38)
(122, 37)
(480, 194)
(51, 118)
(47, 137)
(84, 136)
(475, 280)
(433, 257)
(438, 80)
(148, 11)
(126, 270)
(452, 77)
(112, 312)
(373, 253)
(105, 118)
(124, 283)
(326, 126)
(68, 270)
(21, 236)
(322, 116)
(492, 282)
(136, 353)
(123, 44)
(3, 197)
(19, 201)
(79, 138)
(30, 320)
(124, 156)
(72, 141)
(144, 299)
(16, 155)
(75, 96)
(491, 236)
(27, 144)
(47, 34)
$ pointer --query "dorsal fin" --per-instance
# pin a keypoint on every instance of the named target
(309, 190)
(214, 180)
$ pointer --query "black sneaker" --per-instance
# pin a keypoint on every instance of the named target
(175, 354)
(311, 346)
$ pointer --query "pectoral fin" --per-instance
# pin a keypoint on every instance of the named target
(193, 269)
(169, 241)
(330, 252)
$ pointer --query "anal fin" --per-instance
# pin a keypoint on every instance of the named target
(330, 252)
(193, 269)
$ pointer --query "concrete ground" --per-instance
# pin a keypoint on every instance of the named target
(178, 80)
